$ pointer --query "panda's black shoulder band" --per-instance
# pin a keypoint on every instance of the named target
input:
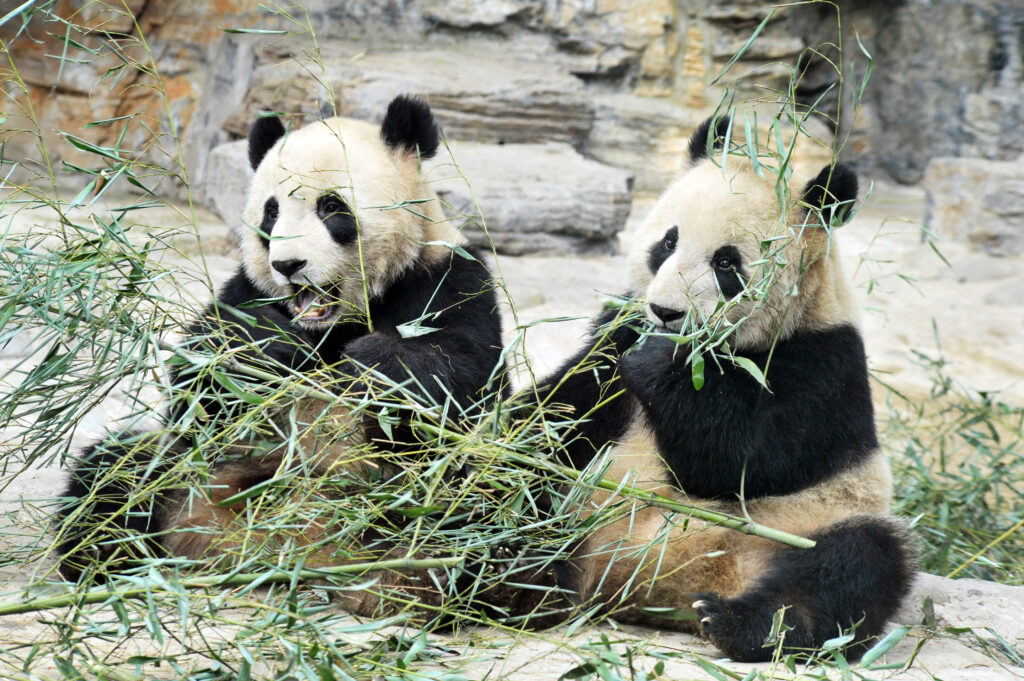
(409, 125)
(699, 142)
(265, 132)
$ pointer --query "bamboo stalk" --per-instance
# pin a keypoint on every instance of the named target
(728, 520)
(283, 575)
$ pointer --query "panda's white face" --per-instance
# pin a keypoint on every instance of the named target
(323, 228)
(714, 237)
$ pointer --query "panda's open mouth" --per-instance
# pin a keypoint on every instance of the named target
(314, 305)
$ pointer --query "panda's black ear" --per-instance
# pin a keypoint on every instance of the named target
(265, 131)
(833, 192)
(700, 141)
(409, 125)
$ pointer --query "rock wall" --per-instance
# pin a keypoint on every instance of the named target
(621, 82)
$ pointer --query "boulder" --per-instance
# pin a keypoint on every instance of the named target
(978, 202)
(227, 182)
(647, 136)
(476, 95)
(535, 198)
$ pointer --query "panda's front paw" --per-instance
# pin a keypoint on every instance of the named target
(373, 349)
(647, 360)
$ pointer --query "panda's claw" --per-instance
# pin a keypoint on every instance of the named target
(698, 605)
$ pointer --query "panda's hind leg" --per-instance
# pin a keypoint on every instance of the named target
(857, 573)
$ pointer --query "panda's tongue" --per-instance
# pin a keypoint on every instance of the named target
(309, 306)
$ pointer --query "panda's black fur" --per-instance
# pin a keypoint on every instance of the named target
(786, 451)
(458, 360)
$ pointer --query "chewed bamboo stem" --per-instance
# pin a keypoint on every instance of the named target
(282, 575)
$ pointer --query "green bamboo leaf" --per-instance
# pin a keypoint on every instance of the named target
(884, 646)
(459, 250)
(751, 368)
(16, 11)
(414, 330)
(222, 378)
(746, 46)
(698, 372)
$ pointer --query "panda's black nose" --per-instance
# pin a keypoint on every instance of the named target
(665, 314)
(288, 267)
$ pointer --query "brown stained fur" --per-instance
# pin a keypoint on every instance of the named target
(650, 558)
(202, 529)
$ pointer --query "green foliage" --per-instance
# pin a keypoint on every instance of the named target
(958, 463)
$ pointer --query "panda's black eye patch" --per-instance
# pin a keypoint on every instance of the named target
(270, 210)
(727, 264)
(663, 249)
(337, 217)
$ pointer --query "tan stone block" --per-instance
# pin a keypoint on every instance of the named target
(693, 64)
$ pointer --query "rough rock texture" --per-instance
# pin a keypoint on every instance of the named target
(526, 202)
(948, 82)
(977, 201)
(227, 185)
(649, 137)
(480, 95)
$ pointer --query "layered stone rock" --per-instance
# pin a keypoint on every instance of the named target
(483, 96)
(977, 201)
(533, 198)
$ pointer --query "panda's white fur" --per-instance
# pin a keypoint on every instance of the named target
(742, 209)
(803, 458)
(349, 158)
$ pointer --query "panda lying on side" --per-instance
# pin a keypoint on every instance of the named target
(339, 262)
(802, 454)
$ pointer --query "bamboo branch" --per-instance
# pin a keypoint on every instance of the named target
(282, 575)
(728, 520)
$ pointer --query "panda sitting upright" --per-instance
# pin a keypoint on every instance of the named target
(799, 455)
(348, 248)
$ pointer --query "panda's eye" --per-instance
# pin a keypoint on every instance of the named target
(269, 218)
(330, 204)
(727, 264)
(337, 218)
(662, 250)
(724, 263)
(671, 238)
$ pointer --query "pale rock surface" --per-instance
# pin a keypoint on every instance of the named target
(521, 191)
(227, 182)
(479, 94)
(978, 202)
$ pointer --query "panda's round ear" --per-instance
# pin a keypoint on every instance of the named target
(709, 135)
(265, 131)
(833, 192)
(408, 126)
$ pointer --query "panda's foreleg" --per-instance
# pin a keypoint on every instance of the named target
(115, 503)
(856, 575)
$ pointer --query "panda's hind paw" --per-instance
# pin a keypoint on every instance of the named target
(729, 627)
(713, 614)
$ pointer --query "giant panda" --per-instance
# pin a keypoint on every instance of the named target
(723, 246)
(347, 248)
